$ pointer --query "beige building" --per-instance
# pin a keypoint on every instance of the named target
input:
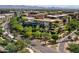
(2, 19)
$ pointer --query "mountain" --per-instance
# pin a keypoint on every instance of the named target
(20, 7)
(48, 7)
(62, 6)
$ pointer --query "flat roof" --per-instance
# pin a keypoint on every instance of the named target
(2, 16)
(48, 20)
(57, 15)
(9, 14)
(30, 18)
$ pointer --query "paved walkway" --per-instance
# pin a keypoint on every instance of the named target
(42, 49)
(61, 44)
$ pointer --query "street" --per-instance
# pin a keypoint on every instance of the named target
(61, 44)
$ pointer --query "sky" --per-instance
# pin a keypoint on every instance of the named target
(39, 2)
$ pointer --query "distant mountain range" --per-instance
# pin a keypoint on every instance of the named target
(76, 7)
(63, 6)
(20, 7)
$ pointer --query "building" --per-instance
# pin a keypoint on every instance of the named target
(2, 18)
(32, 14)
(56, 16)
(40, 16)
(25, 14)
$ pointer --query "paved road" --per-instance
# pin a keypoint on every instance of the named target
(43, 49)
(62, 44)
(61, 47)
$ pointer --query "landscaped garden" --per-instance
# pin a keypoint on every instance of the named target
(36, 30)
(12, 45)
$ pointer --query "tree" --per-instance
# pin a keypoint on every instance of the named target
(37, 34)
(67, 28)
(72, 25)
(13, 21)
(37, 28)
(28, 34)
(73, 48)
(60, 30)
(20, 44)
(28, 28)
(24, 18)
(1, 31)
(55, 37)
(46, 36)
(15, 24)
(11, 47)
(46, 29)
(28, 31)
(3, 41)
(16, 46)
(19, 27)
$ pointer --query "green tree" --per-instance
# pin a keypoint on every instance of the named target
(60, 30)
(24, 18)
(67, 28)
(72, 25)
(55, 37)
(19, 27)
(46, 36)
(28, 28)
(73, 48)
(28, 34)
(20, 44)
(37, 28)
(37, 34)
(28, 31)
(11, 47)
(13, 21)
(1, 31)
(3, 41)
